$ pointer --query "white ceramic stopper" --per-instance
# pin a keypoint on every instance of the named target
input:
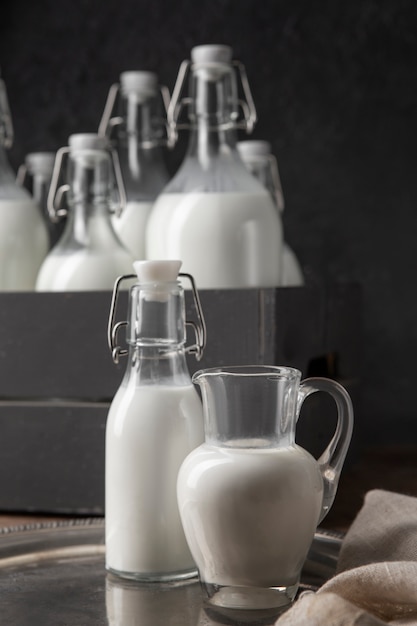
(40, 162)
(141, 83)
(211, 53)
(254, 148)
(157, 271)
(87, 141)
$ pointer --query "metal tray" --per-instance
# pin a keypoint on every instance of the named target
(53, 574)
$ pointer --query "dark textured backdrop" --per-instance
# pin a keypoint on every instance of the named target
(335, 88)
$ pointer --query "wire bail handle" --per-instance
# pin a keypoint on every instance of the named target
(108, 122)
(177, 103)
(55, 195)
(5, 117)
(113, 327)
(276, 180)
(22, 173)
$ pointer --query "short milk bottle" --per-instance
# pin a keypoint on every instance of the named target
(134, 118)
(154, 421)
(213, 215)
(262, 164)
(24, 239)
(89, 255)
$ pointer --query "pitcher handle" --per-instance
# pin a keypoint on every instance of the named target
(333, 457)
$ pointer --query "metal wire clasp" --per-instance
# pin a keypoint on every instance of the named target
(113, 327)
(200, 329)
(55, 195)
(177, 103)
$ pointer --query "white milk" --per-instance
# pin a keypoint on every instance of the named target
(150, 430)
(292, 275)
(250, 514)
(82, 271)
(131, 227)
(225, 240)
(24, 243)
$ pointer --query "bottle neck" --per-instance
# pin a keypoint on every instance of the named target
(40, 188)
(212, 114)
(207, 142)
(157, 365)
(89, 202)
(156, 334)
(261, 169)
(89, 180)
(140, 140)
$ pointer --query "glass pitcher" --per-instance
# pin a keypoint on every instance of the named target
(250, 498)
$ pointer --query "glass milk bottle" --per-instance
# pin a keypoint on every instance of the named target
(139, 136)
(213, 215)
(24, 239)
(89, 255)
(154, 421)
(36, 174)
(263, 165)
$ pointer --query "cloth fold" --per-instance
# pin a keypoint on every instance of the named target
(376, 579)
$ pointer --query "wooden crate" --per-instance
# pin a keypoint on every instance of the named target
(57, 377)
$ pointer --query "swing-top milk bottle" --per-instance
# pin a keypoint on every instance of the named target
(23, 234)
(213, 215)
(154, 421)
(35, 174)
(263, 165)
(139, 135)
(89, 255)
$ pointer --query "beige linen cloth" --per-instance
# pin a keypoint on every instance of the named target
(376, 579)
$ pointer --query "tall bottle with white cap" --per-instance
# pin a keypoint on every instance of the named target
(24, 240)
(213, 214)
(36, 174)
(89, 255)
(260, 161)
(139, 136)
(154, 421)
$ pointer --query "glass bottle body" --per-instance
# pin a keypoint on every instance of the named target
(213, 215)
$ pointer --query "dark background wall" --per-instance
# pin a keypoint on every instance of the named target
(335, 89)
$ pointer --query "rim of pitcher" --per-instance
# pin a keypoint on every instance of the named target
(280, 371)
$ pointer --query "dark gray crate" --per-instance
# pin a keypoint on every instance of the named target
(57, 377)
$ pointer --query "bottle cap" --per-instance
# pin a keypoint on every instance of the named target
(87, 141)
(157, 271)
(211, 53)
(142, 83)
(40, 162)
(254, 148)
